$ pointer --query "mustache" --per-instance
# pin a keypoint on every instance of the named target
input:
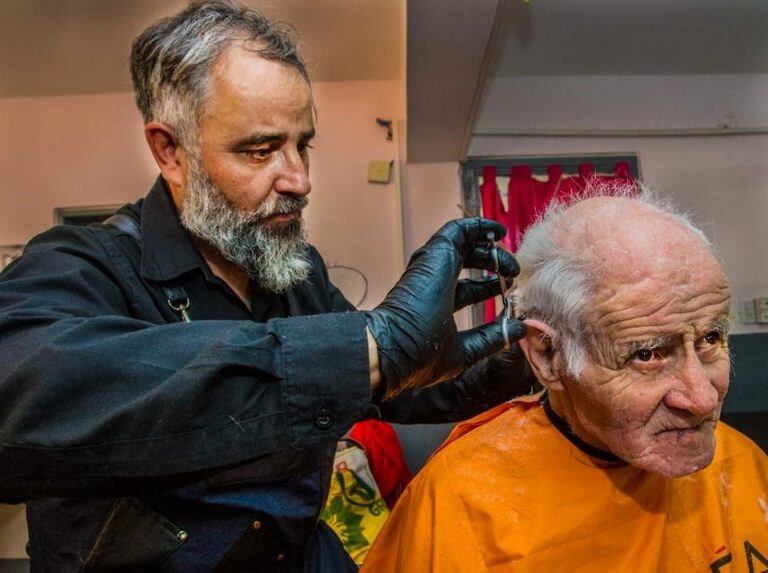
(284, 205)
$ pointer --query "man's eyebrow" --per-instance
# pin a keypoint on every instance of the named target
(259, 139)
(255, 139)
(650, 343)
(721, 325)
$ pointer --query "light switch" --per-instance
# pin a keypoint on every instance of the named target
(747, 311)
(379, 171)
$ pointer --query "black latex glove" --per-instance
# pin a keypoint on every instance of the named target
(415, 333)
(503, 376)
(507, 375)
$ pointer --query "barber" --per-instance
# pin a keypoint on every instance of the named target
(173, 382)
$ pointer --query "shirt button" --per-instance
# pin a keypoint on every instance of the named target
(256, 524)
(323, 419)
(182, 536)
(281, 556)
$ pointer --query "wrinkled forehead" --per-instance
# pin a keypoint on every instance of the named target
(676, 296)
(650, 272)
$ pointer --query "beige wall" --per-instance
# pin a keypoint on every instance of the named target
(90, 150)
(624, 102)
(431, 195)
(353, 222)
(67, 151)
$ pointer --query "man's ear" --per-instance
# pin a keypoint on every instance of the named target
(169, 155)
(537, 347)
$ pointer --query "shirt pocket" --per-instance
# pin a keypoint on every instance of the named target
(133, 538)
(258, 549)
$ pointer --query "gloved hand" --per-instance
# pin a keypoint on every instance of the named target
(503, 376)
(507, 375)
(416, 336)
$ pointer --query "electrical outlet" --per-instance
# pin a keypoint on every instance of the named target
(379, 171)
(761, 310)
(747, 311)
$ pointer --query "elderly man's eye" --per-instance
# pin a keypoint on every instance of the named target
(710, 340)
(712, 337)
(644, 355)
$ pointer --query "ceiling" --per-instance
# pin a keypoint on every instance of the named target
(60, 47)
(453, 49)
(446, 51)
(616, 37)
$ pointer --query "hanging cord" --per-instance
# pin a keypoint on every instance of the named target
(354, 270)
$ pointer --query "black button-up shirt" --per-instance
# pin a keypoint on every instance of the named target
(100, 378)
(107, 396)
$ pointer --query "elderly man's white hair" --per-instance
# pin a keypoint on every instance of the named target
(558, 281)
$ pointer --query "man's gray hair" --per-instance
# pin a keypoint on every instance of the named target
(557, 283)
(171, 60)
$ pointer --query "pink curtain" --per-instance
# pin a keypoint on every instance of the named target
(528, 197)
(493, 208)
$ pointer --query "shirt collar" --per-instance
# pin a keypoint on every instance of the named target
(167, 251)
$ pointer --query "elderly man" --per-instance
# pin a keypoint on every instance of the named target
(174, 382)
(621, 465)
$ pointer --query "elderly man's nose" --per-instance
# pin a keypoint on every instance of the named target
(695, 392)
(294, 177)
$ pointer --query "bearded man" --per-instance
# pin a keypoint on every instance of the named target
(175, 381)
(621, 464)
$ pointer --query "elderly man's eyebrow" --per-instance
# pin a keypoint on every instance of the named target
(721, 325)
(650, 343)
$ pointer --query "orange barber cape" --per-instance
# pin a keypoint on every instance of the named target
(508, 492)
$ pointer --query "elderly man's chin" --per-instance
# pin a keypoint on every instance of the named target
(678, 452)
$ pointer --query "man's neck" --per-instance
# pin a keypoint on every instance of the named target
(237, 279)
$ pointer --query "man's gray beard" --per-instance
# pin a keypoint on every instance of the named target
(274, 257)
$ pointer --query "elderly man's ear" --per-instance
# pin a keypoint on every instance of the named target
(538, 350)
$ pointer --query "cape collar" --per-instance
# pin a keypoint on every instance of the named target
(565, 429)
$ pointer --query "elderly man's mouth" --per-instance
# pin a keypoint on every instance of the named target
(686, 431)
